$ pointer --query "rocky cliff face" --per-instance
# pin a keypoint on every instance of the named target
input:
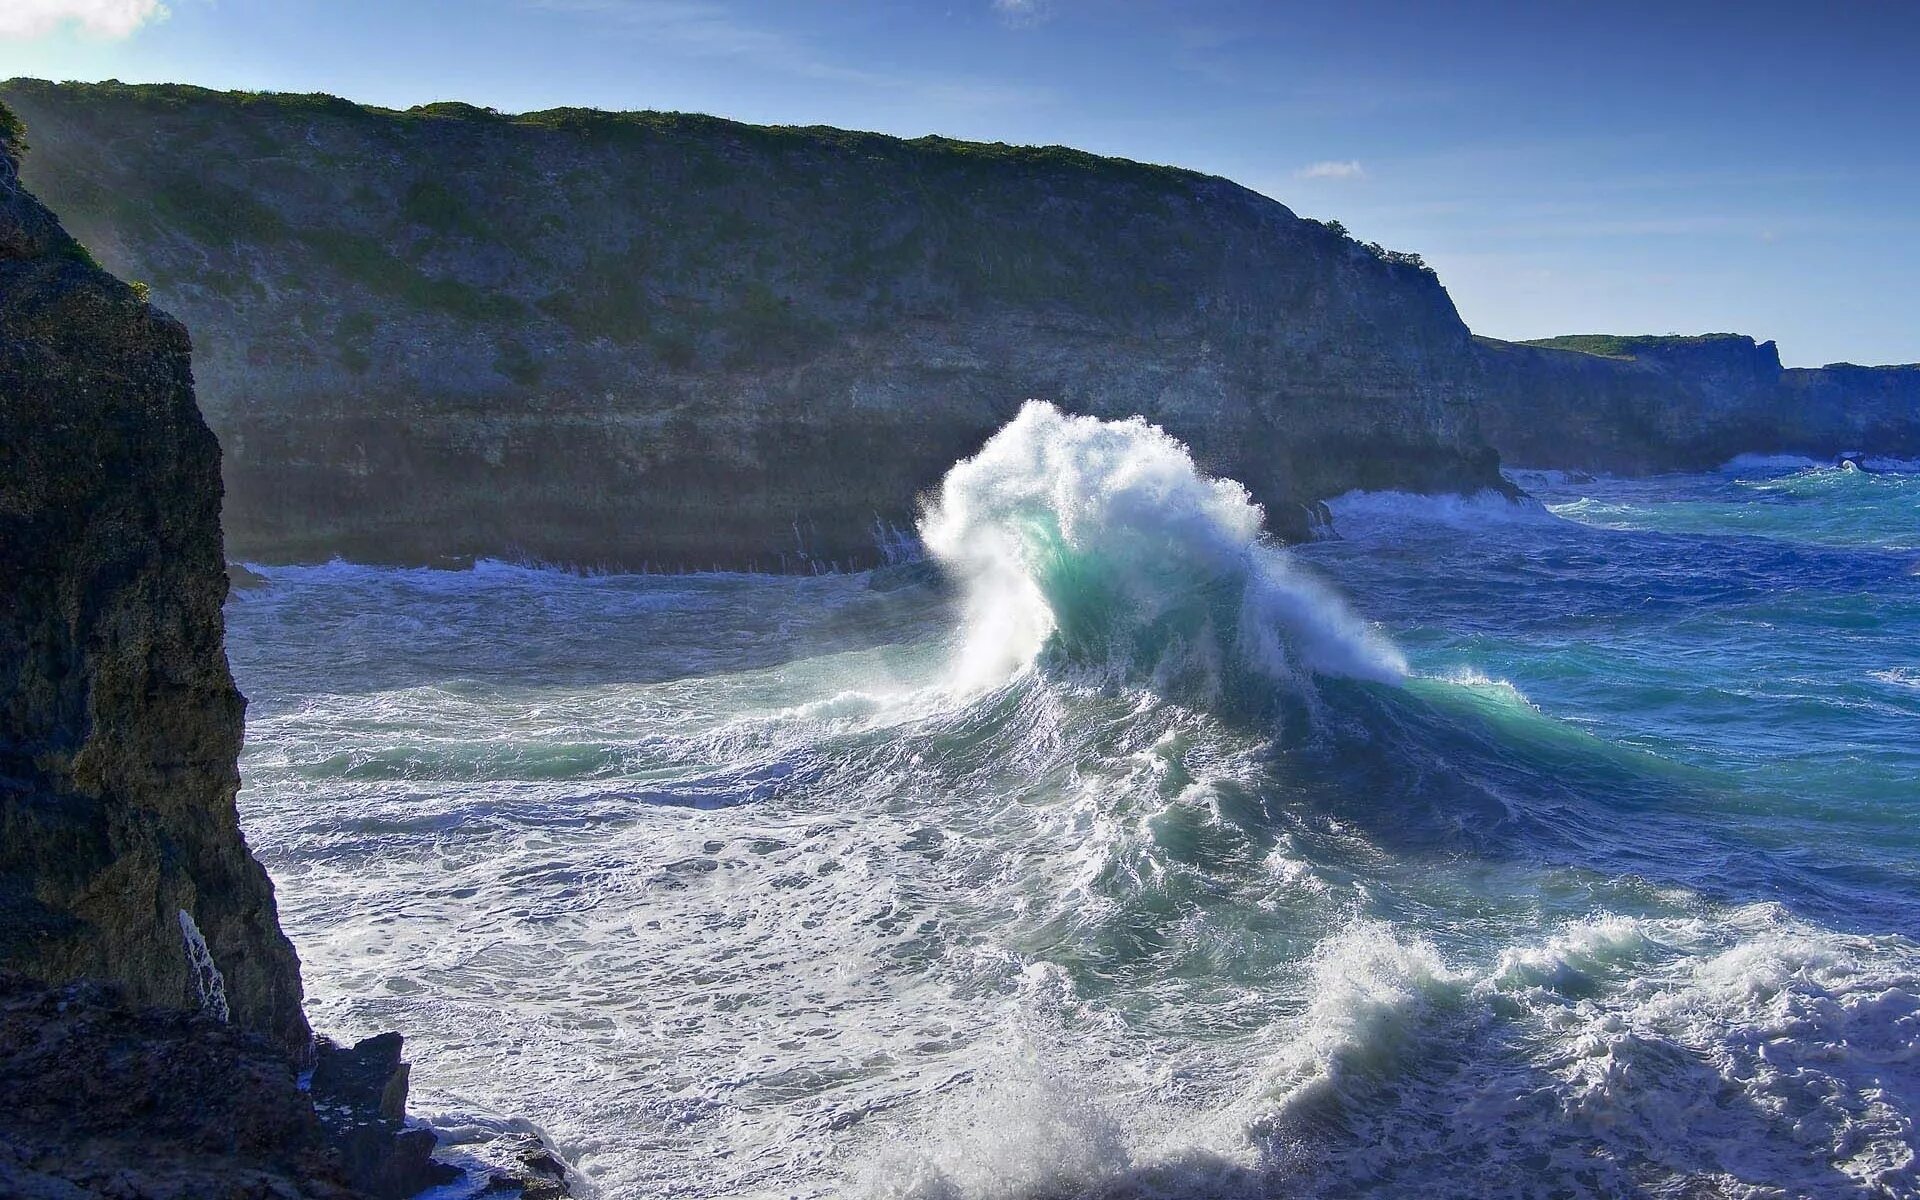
(1872, 409)
(121, 856)
(1640, 404)
(150, 1021)
(681, 341)
(1629, 405)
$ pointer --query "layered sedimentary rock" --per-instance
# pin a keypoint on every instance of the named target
(121, 857)
(680, 341)
(1649, 403)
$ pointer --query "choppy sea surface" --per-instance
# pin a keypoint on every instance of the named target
(1568, 848)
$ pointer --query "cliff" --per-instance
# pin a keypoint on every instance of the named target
(150, 1022)
(1638, 404)
(121, 857)
(675, 340)
(1871, 409)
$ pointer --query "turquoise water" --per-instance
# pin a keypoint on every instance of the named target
(1563, 849)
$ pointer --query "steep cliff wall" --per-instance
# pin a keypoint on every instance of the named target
(1630, 404)
(1874, 409)
(119, 723)
(1644, 403)
(676, 340)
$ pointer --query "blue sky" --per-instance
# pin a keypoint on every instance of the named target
(1567, 167)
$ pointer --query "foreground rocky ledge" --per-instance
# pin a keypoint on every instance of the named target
(105, 1099)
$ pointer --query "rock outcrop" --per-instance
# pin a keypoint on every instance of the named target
(105, 1098)
(121, 857)
(681, 341)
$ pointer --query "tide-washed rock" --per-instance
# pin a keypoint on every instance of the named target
(150, 1019)
(360, 1093)
(532, 1171)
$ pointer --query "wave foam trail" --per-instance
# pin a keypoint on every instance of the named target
(1100, 543)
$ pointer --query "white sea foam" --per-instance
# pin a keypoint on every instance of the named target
(1770, 464)
(1356, 513)
(1102, 541)
(1371, 993)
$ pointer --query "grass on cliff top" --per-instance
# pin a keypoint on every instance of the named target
(1615, 345)
(13, 131)
(602, 125)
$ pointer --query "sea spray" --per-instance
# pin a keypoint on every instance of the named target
(1100, 544)
(209, 989)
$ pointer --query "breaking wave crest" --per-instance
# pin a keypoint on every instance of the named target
(1088, 543)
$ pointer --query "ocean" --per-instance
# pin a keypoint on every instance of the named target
(1568, 847)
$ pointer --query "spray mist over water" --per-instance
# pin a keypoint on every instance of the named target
(1089, 543)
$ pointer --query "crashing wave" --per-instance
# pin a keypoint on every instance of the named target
(1097, 543)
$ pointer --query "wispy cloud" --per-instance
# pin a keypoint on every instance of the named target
(25, 19)
(703, 28)
(1344, 169)
(1023, 12)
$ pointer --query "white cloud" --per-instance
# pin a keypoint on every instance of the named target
(1350, 169)
(101, 18)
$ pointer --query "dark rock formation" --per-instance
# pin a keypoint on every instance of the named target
(120, 848)
(103, 1099)
(360, 1093)
(676, 340)
(150, 1020)
(531, 1170)
(1640, 404)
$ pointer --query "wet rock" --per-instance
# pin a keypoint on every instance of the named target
(360, 1095)
(242, 578)
(532, 1171)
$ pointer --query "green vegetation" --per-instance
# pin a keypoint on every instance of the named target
(75, 252)
(352, 334)
(674, 348)
(764, 327)
(517, 363)
(13, 133)
(1398, 258)
(209, 212)
(371, 263)
(607, 298)
(1613, 345)
(432, 204)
